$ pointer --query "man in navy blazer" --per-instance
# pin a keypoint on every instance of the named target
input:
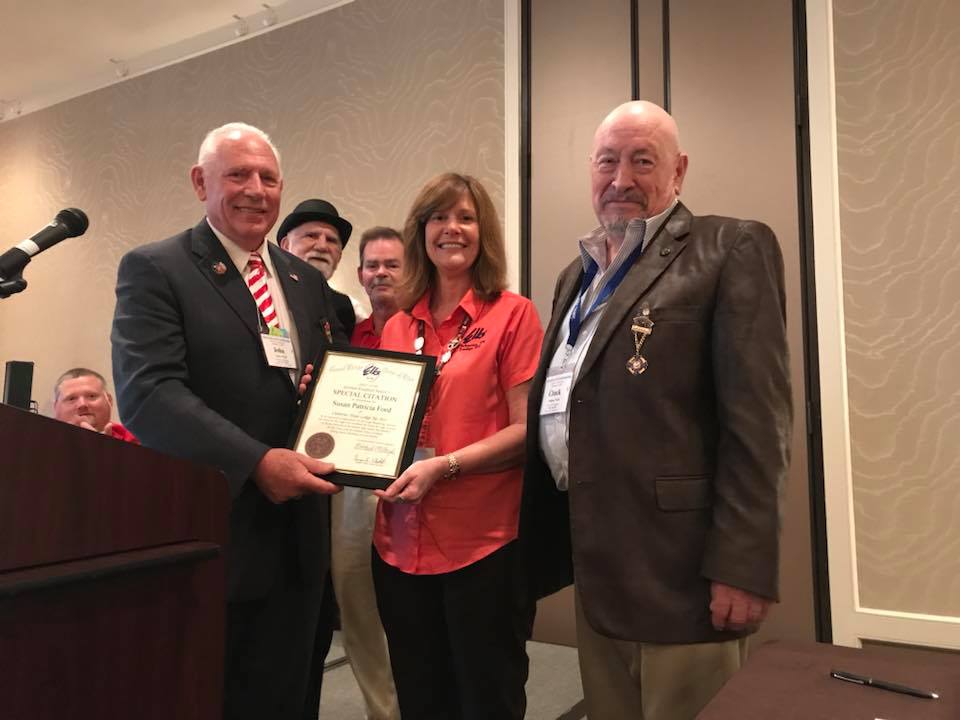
(199, 375)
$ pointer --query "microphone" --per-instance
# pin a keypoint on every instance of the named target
(69, 222)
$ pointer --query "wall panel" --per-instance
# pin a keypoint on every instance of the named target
(898, 133)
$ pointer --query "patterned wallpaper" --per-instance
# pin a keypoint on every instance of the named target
(365, 102)
(898, 124)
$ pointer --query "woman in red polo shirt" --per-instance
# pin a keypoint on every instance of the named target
(445, 530)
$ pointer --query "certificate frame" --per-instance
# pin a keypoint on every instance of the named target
(370, 374)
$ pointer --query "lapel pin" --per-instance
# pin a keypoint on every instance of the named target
(219, 268)
(666, 251)
(294, 277)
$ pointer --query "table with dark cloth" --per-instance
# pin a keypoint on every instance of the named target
(791, 681)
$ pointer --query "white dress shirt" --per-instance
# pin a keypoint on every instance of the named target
(554, 428)
(241, 258)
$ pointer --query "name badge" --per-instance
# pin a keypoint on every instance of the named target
(279, 351)
(556, 390)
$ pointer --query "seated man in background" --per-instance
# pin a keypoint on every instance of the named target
(354, 510)
(80, 398)
(316, 234)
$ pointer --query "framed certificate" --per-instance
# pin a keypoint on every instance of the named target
(363, 412)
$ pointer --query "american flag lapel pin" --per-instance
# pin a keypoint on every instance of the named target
(294, 277)
(219, 268)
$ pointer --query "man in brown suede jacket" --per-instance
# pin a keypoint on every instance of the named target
(659, 429)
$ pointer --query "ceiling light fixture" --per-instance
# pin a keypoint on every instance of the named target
(120, 67)
(242, 27)
(10, 108)
(269, 16)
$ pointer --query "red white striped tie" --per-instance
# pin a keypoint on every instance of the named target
(257, 281)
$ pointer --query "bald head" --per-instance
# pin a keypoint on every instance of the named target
(641, 114)
(637, 168)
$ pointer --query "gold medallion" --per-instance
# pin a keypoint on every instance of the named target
(637, 364)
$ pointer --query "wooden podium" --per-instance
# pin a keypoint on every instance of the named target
(112, 577)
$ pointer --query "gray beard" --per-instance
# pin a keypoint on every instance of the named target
(323, 267)
(616, 227)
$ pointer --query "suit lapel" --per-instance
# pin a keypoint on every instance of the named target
(298, 301)
(216, 265)
(665, 247)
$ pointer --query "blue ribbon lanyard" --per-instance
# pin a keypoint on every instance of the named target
(576, 320)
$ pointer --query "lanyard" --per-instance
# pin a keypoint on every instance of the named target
(576, 320)
(451, 346)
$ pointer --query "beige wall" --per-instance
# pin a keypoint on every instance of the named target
(567, 99)
(732, 95)
(898, 134)
(365, 102)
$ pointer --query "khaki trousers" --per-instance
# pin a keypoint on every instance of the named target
(624, 680)
(353, 512)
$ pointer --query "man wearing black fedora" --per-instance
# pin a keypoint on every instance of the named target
(316, 233)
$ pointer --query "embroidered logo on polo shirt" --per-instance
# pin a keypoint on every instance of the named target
(473, 339)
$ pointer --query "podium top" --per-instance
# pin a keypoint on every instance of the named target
(67, 493)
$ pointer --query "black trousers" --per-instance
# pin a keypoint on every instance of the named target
(457, 640)
(270, 645)
(321, 646)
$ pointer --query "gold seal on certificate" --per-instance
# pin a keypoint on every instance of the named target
(319, 445)
(363, 413)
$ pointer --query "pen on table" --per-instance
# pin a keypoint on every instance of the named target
(882, 684)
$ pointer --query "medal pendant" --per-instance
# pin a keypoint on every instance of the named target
(418, 345)
(445, 357)
(636, 365)
(641, 328)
